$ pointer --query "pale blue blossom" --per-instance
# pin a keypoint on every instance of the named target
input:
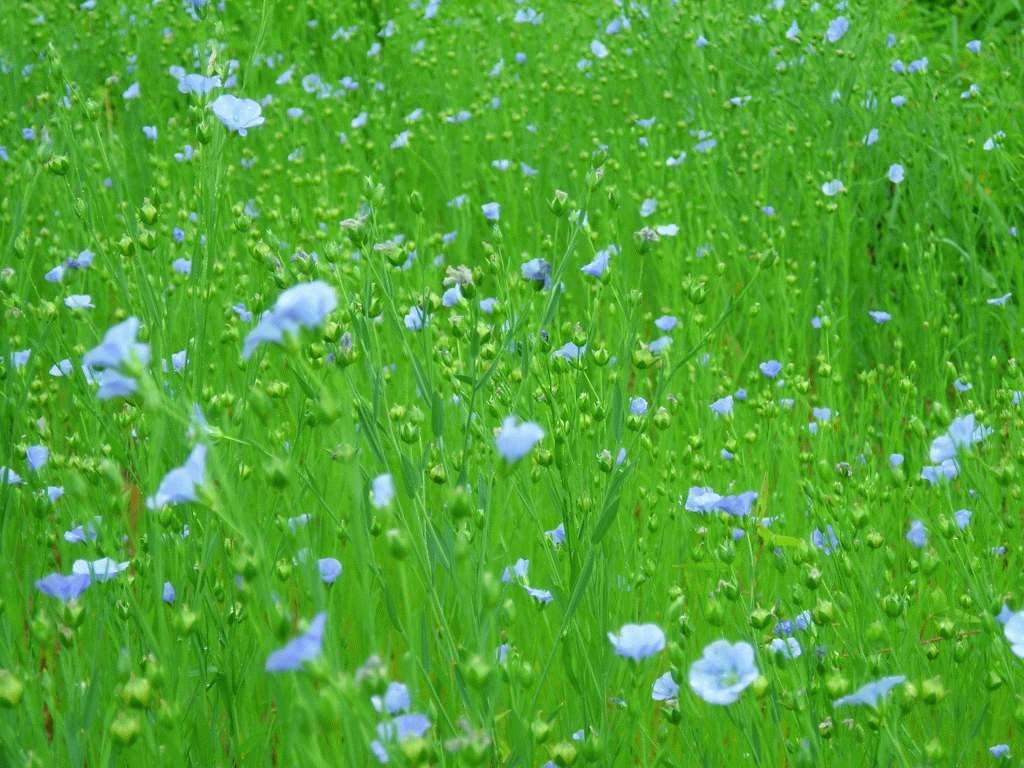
(298, 651)
(723, 672)
(383, 491)
(665, 688)
(514, 440)
(836, 29)
(100, 570)
(237, 114)
(305, 305)
(872, 693)
(181, 484)
(638, 641)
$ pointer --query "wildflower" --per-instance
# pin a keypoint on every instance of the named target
(294, 523)
(80, 534)
(649, 206)
(961, 435)
(237, 114)
(999, 301)
(666, 323)
(1000, 751)
(974, 46)
(491, 211)
(114, 384)
(871, 137)
(705, 145)
(119, 347)
(818, 540)
(917, 535)
(706, 500)
(599, 264)
(872, 693)
(79, 301)
(879, 316)
(723, 672)
(638, 641)
(832, 188)
(637, 406)
(570, 351)
(383, 491)
(168, 595)
(103, 569)
(788, 648)
(305, 305)
(665, 688)
(947, 470)
(657, 346)
(520, 570)
(895, 173)
(330, 569)
(527, 16)
(400, 729)
(395, 699)
(771, 368)
(36, 457)
(414, 319)
(599, 49)
(836, 29)
(542, 596)
(722, 406)
(301, 649)
(537, 271)
(515, 440)
(181, 483)
(63, 587)
(1014, 631)
(556, 534)
(200, 85)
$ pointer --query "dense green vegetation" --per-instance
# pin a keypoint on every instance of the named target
(438, 383)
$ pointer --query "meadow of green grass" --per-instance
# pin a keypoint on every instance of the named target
(364, 421)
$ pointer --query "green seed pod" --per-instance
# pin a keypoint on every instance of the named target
(11, 689)
(126, 727)
(564, 754)
(58, 165)
(540, 729)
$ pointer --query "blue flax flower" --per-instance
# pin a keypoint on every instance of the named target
(303, 648)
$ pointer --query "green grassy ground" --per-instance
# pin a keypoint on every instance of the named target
(718, 155)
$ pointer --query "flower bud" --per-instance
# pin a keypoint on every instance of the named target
(564, 754)
(557, 204)
(126, 727)
(933, 691)
(58, 165)
(11, 689)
